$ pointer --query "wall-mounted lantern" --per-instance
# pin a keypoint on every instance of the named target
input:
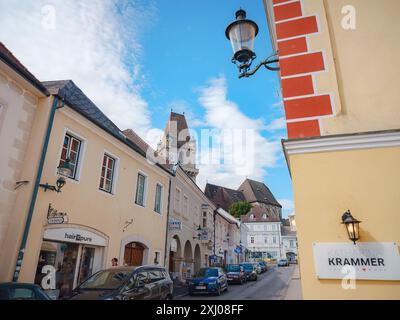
(241, 34)
(352, 226)
(63, 171)
(199, 229)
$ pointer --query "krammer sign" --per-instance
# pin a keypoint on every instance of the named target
(363, 261)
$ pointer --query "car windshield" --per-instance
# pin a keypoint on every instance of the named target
(106, 280)
(233, 268)
(247, 266)
(205, 272)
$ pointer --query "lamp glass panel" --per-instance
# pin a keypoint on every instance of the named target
(242, 36)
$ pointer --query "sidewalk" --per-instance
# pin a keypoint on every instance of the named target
(294, 290)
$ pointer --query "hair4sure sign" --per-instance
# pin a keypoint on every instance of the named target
(365, 261)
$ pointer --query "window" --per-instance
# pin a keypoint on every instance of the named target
(71, 150)
(177, 203)
(265, 240)
(274, 239)
(264, 216)
(140, 189)
(252, 217)
(155, 275)
(157, 257)
(292, 244)
(204, 219)
(252, 240)
(107, 174)
(158, 200)
(185, 205)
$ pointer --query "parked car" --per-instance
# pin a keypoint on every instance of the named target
(257, 267)
(235, 273)
(126, 283)
(208, 280)
(283, 263)
(250, 271)
(263, 265)
(22, 291)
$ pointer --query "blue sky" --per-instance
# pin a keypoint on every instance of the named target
(138, 59)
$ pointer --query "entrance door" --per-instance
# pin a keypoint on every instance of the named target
(171, 262)
(134, 254)
(86, 265)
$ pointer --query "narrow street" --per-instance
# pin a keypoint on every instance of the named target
(271, 285)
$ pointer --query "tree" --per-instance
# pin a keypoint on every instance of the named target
(239, 209)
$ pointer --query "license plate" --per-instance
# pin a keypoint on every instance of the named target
(201, 287)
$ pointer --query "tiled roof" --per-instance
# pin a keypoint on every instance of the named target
(78, 101)
(258, 214)
(224, 197)
(255, 191)
(7, 57)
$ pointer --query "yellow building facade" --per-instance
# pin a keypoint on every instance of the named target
(339, 63)
(113, 205)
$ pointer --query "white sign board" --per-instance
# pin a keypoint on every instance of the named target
(366, 261)
(174, 224)
(75, 236)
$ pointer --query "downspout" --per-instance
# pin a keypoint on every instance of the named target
(22, 247)
(167, 224)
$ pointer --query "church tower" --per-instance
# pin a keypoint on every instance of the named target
(178, 145)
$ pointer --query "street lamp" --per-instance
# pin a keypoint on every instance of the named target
(352, 226)
(198, 234)
(64, 170)
(241, 34)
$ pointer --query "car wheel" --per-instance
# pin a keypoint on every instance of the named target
(226, 288)
(168, 297)
(219, 291)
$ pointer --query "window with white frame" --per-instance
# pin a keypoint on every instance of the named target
(177, 200)
(158, 199)
(71, 150)
(107, 174)
(265, 240)
(292, 245)
(274, 239)
(252, 240)
(140, 189)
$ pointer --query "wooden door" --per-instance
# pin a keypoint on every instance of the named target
(133, 254)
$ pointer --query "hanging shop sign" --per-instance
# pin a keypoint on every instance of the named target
(56, 217)
(74, 235)
(204, 234)
(361, 261)
(174, 224)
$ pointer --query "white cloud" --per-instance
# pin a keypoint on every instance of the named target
(277, 124)
(252, 158)
(94, 43)
(287, 204)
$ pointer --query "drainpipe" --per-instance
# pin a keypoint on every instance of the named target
(167, 227)
(22, 247)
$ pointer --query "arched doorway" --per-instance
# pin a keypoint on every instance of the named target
(197, 259)
(133, 254)
(188, 260)
(175, 254)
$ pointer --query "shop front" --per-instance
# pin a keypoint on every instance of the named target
(68, 256)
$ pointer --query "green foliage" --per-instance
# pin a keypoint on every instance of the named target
(239, 209)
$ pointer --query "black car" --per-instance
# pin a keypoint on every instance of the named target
(235, 273)
(126, 283)
(250, 271)
(22, 291)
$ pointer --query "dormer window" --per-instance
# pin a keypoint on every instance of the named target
(252, 216)
(264, 216)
